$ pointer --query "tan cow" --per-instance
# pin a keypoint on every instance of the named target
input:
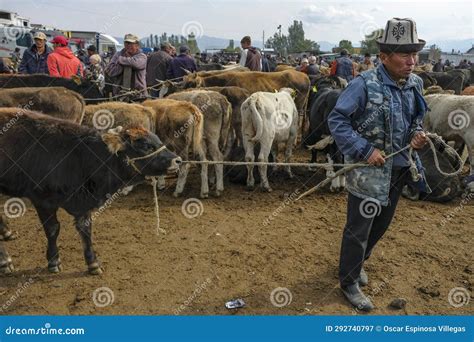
(55, 101)
(179, 124)
(217, 114)
(254, 81)
(108, 115)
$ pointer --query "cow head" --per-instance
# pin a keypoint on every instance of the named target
(143, 150)
(192, 81)
(169, 87)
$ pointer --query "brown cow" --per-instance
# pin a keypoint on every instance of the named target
(468, 91)
(108, 115)
(236, 96)
(59, 102)
(217, 114)
(180, 126)
(254, 81)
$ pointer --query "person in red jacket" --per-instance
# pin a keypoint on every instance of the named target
(62, 62)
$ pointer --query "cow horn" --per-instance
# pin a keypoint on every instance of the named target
(115, 130)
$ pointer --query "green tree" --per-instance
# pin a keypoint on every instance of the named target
(345, 44)
(192, 43)
(297, 41)
(368, 45)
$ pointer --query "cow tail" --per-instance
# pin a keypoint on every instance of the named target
(257, 120)
(83, 106)
(225, 124)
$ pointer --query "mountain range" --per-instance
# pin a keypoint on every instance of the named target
(207, 42)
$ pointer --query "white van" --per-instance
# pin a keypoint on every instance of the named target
(12, 37)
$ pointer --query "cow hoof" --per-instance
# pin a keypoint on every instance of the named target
(176, 194)
(7, 268)
(94, 269)
(206, 195)
(55, 269)
(268, 189)
(161, 188)
(250, 188)
(218, 193)
(7, 236)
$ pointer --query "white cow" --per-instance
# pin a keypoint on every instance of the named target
(268, 118)
(452, 117)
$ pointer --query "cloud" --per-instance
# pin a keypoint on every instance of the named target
(316, 15)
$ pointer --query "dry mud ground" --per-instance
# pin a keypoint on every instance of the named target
(232, 250)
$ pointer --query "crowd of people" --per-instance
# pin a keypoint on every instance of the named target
(132, 69)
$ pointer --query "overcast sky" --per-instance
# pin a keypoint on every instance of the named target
(323, 20)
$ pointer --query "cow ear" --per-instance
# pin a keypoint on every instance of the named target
(113, 140)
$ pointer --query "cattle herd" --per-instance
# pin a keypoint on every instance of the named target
(64, 146)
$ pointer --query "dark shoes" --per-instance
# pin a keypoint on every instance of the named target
(357, 298)
(363, 278)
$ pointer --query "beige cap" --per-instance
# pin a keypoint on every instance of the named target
(40, 35)
(131, 38)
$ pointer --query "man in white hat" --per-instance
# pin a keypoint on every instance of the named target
(128, 67)
(379, 113)
(35, 58)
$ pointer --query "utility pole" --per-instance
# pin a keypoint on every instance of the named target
(263, 40)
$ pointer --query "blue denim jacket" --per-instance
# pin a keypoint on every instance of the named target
(373, 112)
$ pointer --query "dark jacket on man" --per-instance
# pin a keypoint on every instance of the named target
(157, 66)
(34, 63)
(253, 61)
(177, 64)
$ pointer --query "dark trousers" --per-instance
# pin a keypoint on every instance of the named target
(363, 228)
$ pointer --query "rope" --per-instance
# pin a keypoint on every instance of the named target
(131, 161)
(154, 182)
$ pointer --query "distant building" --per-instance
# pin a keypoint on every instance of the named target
(8, 18)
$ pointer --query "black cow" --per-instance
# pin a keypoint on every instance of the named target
(446, 80)
(59, 164)
(210, 67)
(319, 131)
(88, 90)
(444, 189)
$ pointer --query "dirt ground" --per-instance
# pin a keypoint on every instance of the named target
(286, 265)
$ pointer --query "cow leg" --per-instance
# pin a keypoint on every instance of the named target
(182, 176)
(51, 228)
(216, 155)
(6, 266)
(249, 157)
(5, 233)
(470, 150)
(263, 157)
(161, 183)
(330, 173)
(84, 228)
(288, 152)
(204, 174)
